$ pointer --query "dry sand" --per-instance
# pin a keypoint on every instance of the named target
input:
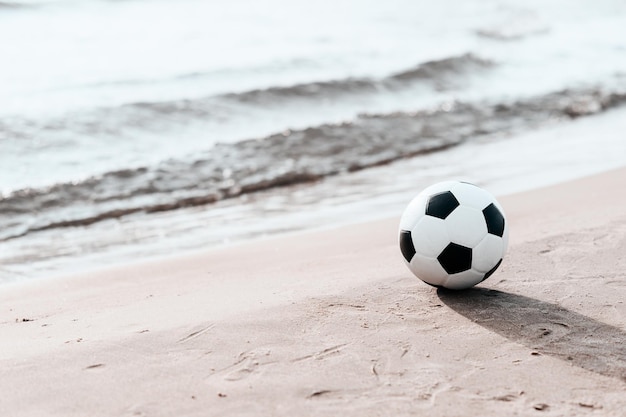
(332, 323)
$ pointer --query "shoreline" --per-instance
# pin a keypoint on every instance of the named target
(552, 153)
(503, 165)
(329, 321)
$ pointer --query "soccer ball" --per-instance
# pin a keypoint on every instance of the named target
(453, 235)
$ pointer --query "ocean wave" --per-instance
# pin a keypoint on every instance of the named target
(287, 158)
(149, 115)
(435, 71)
(443, 68)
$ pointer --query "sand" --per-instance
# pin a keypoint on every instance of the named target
(332, 323)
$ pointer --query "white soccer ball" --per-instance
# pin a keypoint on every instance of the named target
(453, 235)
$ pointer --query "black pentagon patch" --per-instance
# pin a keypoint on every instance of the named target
(455, 258)
(491, 271)
(494, 219)
(441, 205)
(406, 245)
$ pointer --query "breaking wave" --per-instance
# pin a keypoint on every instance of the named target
(151, 115)
(290, 157)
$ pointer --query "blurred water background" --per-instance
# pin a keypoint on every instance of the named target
(139, 128)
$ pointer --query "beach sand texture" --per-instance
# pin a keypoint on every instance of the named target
(332, 323)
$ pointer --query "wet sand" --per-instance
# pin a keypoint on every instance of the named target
(332, 323)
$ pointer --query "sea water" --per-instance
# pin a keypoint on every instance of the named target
(137, 128)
